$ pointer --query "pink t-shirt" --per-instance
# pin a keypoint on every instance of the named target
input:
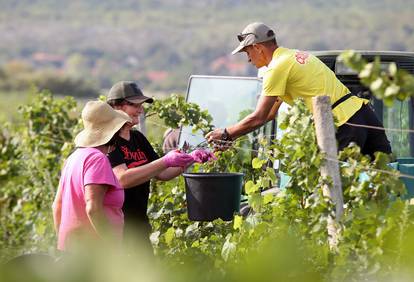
(87, 166)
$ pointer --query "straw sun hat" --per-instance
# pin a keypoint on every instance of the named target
(100, 122)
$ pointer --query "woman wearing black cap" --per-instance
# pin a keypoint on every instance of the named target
(135, 162)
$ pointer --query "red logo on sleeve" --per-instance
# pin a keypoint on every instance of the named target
(301, 57)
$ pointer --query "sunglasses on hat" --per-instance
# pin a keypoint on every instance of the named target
(243, 36)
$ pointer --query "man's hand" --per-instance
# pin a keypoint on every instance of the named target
(214, 135)
(220, 141)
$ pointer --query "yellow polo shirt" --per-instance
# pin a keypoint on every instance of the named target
(296, 74)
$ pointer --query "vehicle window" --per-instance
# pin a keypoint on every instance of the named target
(227, 99)
(397, 117)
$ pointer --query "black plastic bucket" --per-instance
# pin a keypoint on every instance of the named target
(213, 195)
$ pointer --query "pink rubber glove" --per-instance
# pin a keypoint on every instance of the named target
(202, 155)
(177, 159)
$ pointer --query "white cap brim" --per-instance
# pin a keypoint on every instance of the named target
(238, 49)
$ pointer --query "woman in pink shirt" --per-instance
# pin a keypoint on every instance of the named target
(88, 204)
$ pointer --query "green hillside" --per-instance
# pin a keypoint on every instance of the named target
(160, 43)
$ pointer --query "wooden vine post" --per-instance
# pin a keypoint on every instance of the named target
(325, 135)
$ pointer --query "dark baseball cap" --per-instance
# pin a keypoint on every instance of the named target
(129, 91)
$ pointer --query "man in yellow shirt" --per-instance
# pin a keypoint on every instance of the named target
(293, 74)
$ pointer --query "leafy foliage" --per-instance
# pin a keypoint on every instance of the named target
(175, 112)
(387, 84)
(283, 236)
(366, 244)
(33, 154)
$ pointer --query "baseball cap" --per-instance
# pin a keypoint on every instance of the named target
(129, 91)
(253, 33)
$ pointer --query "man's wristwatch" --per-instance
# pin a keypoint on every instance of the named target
(225, 135)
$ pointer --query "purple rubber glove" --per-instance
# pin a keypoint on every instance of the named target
(202, 155)
(177, 159)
